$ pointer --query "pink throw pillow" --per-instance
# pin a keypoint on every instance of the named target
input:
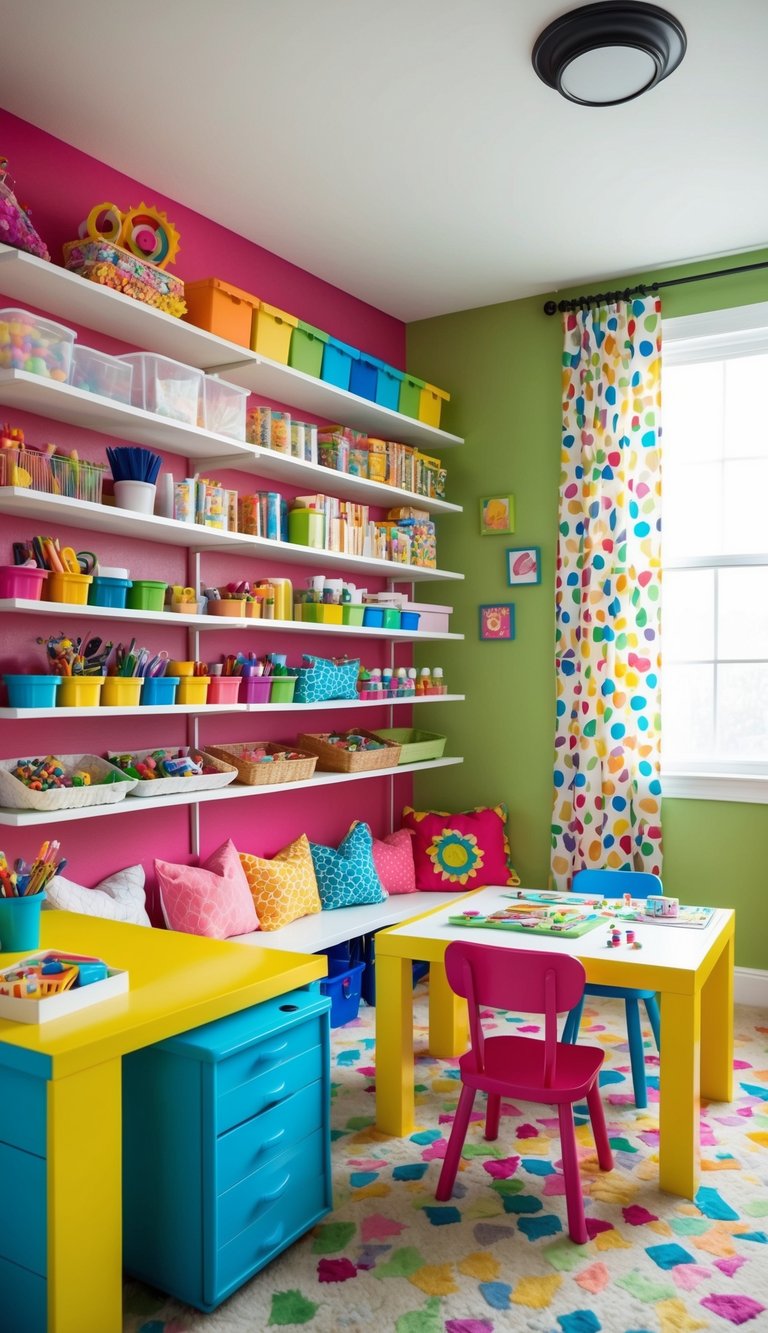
(464, 851)
(213, 899)
(393, 858)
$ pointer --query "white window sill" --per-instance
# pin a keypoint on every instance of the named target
(749, 789)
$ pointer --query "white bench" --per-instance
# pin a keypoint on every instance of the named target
(312, 933)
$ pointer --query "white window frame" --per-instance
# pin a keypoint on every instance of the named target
(716, 335)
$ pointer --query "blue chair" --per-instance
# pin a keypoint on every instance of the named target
(612, 884)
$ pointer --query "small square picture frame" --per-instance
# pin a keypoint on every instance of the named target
(497, 622)
(523, 566)
(497, 515)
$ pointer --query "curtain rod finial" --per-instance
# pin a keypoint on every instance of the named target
(550, 307)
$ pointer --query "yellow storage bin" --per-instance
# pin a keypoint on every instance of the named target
(322, 613)
(271, 332)
(121, 691)
(72, 588)
(80, 691)
(193, 690)
(431, 402)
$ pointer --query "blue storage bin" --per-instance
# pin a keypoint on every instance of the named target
(337, 362)
(410, 619)
(342, 986)
(108, 592)
(32, 691)
(364, 376)
(373, 617)
(159, 690)
(388, 383)
(368, 988)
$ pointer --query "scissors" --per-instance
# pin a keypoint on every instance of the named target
(69, 561)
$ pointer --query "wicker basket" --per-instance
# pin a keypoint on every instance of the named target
(332, 759)
(225, 773)
(262, 775)
(15, 794)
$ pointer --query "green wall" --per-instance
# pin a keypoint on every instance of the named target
(502, 366)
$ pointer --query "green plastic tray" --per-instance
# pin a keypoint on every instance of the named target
(417, 745)
(572, 933)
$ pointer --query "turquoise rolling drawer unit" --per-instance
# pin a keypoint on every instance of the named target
(23, 1172)
(226, 1147)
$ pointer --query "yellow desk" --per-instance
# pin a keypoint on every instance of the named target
(691, 969)
(177, 982)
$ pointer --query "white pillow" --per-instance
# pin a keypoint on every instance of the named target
(119, 897)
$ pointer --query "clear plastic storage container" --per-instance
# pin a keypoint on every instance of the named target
(166, 387)
(39, 346)
(98, 373)
(224, 407)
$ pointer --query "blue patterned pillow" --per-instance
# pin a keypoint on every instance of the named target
(323, 678)
(347, 877)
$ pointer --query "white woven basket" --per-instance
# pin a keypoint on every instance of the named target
(225, 773)
(15, 794)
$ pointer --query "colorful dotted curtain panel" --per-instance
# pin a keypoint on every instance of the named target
(607, 803)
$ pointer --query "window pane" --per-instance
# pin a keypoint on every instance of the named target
(692, 411)
(746, 424)
(742, 712)
(688, 615)
(745, 525)
(687, 703)
(691, 510)
(742, 613)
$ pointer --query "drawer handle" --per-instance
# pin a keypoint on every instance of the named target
(267, 1052)
(273, 1239)
(276, 1091)
(268, 1143)
(277, 1191)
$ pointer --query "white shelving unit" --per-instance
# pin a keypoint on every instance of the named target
(25, 818)
(33, 282)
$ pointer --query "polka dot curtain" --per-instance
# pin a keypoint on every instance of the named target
(607, 802)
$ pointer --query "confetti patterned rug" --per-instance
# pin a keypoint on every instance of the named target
(497, 1256)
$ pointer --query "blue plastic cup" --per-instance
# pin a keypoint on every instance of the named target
(159, 690)
(20, 923)
(32, 691)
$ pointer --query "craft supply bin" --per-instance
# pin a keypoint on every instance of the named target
(121, 692)
(39, 346)
(32, 691)
(224, 407)
(166, 387)
(333, 759)
(415, 745)
(343, 988)
(221, 309)
(410, 395)
(237, 1164)
(431, 401)
(337, 362)
(364, 376)
(272, 329)
(96, 372)
(72, 588)
(22, 581)
(388, 386)
(253, 773)
(306, 350)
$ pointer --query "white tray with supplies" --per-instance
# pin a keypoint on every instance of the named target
(23, 1010)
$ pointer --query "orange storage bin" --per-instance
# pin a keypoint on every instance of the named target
(271, 334)
(221, 309)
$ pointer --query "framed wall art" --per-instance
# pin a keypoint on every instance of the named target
(497, 621)
(523, 565)
(497, 515)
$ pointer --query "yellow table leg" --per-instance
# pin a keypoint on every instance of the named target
(448, 1031)
(85, 1224)
(717, 1028)
(394, 1045)
(679, 1094)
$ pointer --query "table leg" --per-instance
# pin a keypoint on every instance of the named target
(394, 1045)
(85, 1225)
(679, 1094)
(448, 1032)
(717, 1028)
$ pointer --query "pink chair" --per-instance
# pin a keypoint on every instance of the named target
(524, 1068)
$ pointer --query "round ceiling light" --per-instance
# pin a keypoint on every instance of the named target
(610, 52)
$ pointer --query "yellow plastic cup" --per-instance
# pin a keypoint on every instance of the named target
(192, 690)
(121, 691)
(180, 668)
(80, 691)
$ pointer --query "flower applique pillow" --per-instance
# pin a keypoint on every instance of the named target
(119, 897)
(284, 886)
(346, 875)
(213, 899)
(469, 850)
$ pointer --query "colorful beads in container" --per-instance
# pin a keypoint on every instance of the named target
(164, 764)
(39, 346)
(50, 774)
(15, 225)
(129, 251)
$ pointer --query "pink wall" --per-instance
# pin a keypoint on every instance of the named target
(61, 185)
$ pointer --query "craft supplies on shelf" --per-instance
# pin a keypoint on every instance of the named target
(128, 250)
(46, 471)
(146, 595)
(16, 226)
(265, 763)
(271, 332)
(109, 588)
(80, 691)
(134, 471)
(39, 346)
(415, 745)
(121, 691)
(161, 772)
(194, 689)
(61, 782)
(364, 375)
(337, 362)
(52, 984)
(431, 401)
(306, 349)
(410, 395)
(166, 387)
(350, 751)
(22, 581)
(224, 407)
(26, 880)
(221, 308)
(32, 691)
(96, 372)
(388, 384)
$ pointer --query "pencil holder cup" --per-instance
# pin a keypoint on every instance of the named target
(71, 588)
(224, 689)
(32, 691)
(136, 495)
(121, 692)
(20, 923)
(181, 668)
(256, 689)
(192, 690)
(80, 691)
(159, 690)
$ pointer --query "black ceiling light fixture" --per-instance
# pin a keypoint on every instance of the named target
(607, 53)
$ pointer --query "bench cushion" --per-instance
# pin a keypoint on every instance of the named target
(314, 933)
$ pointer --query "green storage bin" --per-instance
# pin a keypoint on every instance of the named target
(322, 613)
(410, 395)
(306, 350)
(352, 613)
(283, 688)
(146, 595)
(306, 527)
(391, 618)
(416, 745)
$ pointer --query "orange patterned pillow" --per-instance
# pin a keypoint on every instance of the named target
(283, 888)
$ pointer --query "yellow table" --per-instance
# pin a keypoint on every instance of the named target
(177, 982)
(691, 969)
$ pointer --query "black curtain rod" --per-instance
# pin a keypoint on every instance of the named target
(603, 298)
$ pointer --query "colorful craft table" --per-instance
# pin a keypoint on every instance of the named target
(691, 969)
(61, 1109)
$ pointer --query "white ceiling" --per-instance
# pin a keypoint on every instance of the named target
(404, 149)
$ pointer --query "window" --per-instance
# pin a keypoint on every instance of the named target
(715, 552)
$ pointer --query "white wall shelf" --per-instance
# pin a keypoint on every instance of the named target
(28, 504)
(203, 710)
(26, 818)
(76, 407)
(36, 282)
(28, 606)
